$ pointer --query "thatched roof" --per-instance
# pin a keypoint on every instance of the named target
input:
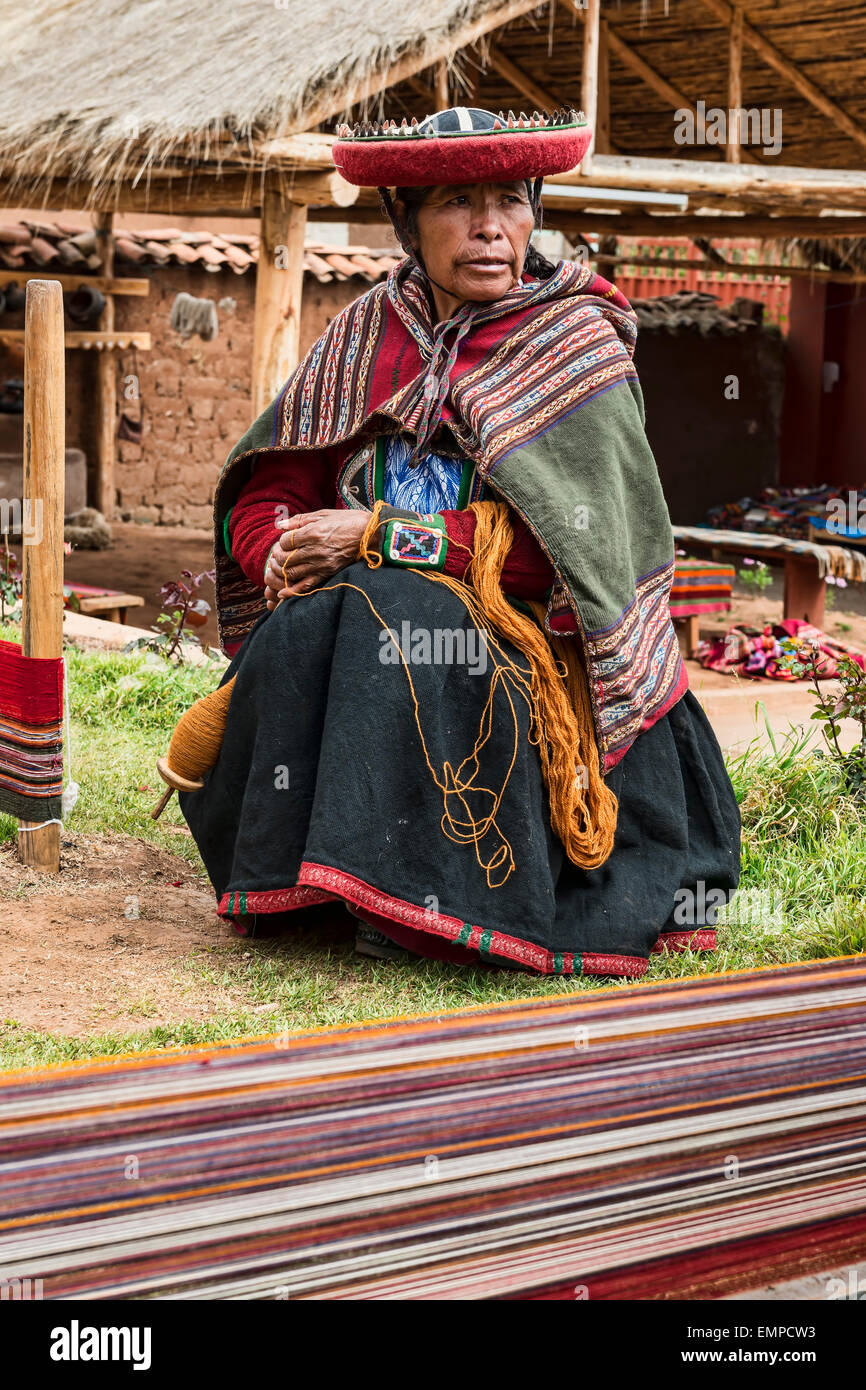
(103, 90)
(90, 86)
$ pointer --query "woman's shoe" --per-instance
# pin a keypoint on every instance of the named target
(369, 942)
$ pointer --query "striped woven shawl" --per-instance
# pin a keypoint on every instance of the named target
(544, 397)
(678, 1140)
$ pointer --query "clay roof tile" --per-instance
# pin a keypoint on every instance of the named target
(43, 244)
(43, 251)
(183, 254)
(128, 249)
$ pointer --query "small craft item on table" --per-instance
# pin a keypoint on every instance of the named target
(31, 735)
(784, 511)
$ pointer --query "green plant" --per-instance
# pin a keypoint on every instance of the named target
(847, 701)
(181, 608)
(833, 585)
(757, 579)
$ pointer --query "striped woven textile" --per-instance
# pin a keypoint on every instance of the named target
(679, 1140)
(31, 735)
(700, 586)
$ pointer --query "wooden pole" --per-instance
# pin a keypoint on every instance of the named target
(790, 188)
(279, 287)
(631, 59)
(443, 99)
(584, 218)
(106, 380)
(602, 143)
(735, 83)
(589, 78)
(43, 491)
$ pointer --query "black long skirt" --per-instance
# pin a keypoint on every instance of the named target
(325, 789)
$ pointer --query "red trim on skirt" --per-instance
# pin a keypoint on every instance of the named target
(427, 933)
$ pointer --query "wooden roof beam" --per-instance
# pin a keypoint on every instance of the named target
(776, 59)
(685, 224)
(790, 187)
(628, 223)
(785, 272)
(232, 194)
(311, 150)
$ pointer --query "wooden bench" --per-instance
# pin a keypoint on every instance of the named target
(109, 604)
(806, 563)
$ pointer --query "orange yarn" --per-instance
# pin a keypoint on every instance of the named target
(198, 735)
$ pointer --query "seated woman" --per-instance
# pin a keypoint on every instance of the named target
(398, 737)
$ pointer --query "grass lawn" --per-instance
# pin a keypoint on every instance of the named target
(802, 895)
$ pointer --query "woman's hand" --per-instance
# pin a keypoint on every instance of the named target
(313, 547)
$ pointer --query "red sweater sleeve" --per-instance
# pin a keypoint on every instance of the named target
(527, 572)
(277, 489)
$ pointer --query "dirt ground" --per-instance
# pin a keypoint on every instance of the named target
(141, 559)
(105, 946)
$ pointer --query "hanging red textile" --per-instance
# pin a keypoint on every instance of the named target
(31, 734)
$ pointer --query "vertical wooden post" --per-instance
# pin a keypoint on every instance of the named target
(443, 98)
(589, 78)
(43, 492)
(279, 289)
(106, 380)
(735, 83)
(602, 120)
(804, 592)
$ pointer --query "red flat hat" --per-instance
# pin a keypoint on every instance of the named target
(461, 145)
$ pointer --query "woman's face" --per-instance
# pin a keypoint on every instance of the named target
(473, 237)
